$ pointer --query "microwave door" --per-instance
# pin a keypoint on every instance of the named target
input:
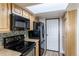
(19, 22)
(20, 25)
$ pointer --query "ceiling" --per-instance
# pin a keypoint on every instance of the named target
(51, 13)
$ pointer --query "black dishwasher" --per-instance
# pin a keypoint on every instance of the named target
(17, 43)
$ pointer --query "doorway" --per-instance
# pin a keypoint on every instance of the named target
(53, 34)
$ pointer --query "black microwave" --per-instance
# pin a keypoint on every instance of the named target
(19, 22)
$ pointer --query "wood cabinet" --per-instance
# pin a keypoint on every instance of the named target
(25, 14)
(6, 9)
(37, 48)
(4, 17)
(16, 9)
(70, 33)
(32, 19)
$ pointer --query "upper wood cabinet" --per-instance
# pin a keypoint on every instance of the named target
(16, 9)
(32, 19)
(26, 14)
(4, 17)
(6, 9)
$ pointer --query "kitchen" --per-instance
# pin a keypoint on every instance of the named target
(17, 26)
(23, 33)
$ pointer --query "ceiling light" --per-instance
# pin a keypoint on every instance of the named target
(46, 7)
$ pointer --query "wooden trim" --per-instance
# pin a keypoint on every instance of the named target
(37, 48)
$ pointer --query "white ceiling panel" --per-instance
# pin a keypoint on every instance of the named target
(46, 10)
(53, 14)
(47, 7)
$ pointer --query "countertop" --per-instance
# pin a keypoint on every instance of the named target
(32, 40)
(7, 52)
(37, 45)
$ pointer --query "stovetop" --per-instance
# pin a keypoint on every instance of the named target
(23, 48)
(17, 43)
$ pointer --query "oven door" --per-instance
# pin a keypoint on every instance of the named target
(29, 53)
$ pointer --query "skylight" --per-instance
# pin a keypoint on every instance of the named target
(46, 7)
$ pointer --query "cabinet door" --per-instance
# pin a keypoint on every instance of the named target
(70, 30)
(25, 14)
(4, 17)
(16, 9)
(32, 19)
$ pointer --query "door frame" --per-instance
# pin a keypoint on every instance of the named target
(58, 33)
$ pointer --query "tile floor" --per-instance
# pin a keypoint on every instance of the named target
(52, 53)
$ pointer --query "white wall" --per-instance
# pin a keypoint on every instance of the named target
(61, 36)
(77, 33)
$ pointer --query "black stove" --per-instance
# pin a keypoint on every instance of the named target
(17, 43)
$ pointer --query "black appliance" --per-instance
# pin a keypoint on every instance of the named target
(38, 33)
(17, 43)
(34, 34)
(18, 22)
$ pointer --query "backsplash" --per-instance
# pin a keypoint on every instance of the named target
(14, 33)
